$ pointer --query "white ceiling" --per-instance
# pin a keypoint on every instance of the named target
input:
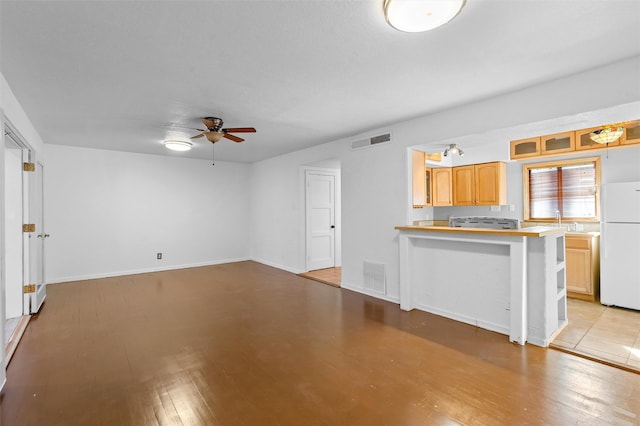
(116, 74)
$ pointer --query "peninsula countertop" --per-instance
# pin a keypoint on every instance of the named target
(532, 231)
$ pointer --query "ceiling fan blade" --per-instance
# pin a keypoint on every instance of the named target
(197, 136)
(240, 130)
(233, 137)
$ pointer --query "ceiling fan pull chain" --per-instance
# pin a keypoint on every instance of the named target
(213, 154)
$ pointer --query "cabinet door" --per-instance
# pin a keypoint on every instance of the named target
(441, 186)
(578, 263)
(464, 193)
(557, 143)
(631, 133)
(491, 184)
(428, 185)
(523, 148)
(584, 141)
(417, 166)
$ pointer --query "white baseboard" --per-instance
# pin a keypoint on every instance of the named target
(363, 290)
(275, 265)
(498, 328)
(141, 271)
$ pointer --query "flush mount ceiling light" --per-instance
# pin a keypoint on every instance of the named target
(414, 16)
(453, 149)
(176, 145)
(607, 134)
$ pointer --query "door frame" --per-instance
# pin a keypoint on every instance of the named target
(337, 240)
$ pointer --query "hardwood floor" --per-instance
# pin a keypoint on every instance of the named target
(247, 344)
(331, 276)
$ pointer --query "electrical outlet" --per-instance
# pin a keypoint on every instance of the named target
(512, 207)
(159, 256)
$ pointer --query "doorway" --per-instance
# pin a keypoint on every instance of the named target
(322, 217)
(24, 289)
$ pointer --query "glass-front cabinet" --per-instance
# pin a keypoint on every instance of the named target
(631, 133)
(558, 142)
(523, 148)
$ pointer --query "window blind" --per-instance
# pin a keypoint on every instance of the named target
(569, 190)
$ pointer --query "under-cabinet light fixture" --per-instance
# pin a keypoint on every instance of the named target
(415, 16)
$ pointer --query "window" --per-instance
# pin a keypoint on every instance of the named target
(567, 188)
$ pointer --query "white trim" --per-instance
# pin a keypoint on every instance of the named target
(275, 265)
(366, 292)
(144, 270)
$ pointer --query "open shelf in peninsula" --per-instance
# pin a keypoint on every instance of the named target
(511, 281)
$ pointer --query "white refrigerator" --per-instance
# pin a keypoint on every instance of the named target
(620, 245)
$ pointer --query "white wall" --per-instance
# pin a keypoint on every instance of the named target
(110, 212)
(278, 207)
(375, 195)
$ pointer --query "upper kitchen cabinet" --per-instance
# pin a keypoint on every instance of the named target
(441, 191)
(464, 186)
(480, 184)
(523, 148)
(427, 180)
(584, 141)
(631, 133)
(418, 179)
(491, 184)
(557, 143)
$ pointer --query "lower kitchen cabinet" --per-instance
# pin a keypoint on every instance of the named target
(583, 266)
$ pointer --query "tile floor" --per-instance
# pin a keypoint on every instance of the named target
(603, 333)
(331, 276)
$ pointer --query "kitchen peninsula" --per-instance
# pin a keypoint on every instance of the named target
(511, 281)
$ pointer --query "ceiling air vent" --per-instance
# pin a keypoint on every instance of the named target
(374, 140)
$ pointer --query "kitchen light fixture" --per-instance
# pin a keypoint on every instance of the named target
(607, 134)
(454, 150)
(177, 145)
(414, 16)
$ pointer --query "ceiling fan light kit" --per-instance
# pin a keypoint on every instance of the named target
(215, 132)
(414, 16)
(176, 145)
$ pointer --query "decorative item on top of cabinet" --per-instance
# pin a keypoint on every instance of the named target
(584, 141)
(483, 184)
(583, 266)
(523, 148)
(418, 180)
(558, 142)
(441, 191)
(631, 133)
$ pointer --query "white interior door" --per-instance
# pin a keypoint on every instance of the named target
(320, 208)
(13, 235)
(37, 239)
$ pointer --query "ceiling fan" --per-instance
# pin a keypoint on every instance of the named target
(215, 131)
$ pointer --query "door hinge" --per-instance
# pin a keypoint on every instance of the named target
(29, 167)
(29, 227)
(29, 288)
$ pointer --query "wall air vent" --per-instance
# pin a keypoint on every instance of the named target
(374, 140)
(375, 277)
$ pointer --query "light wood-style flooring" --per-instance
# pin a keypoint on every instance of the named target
(247, 344)
(331, 276)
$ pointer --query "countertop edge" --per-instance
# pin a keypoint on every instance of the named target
(534, 231)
